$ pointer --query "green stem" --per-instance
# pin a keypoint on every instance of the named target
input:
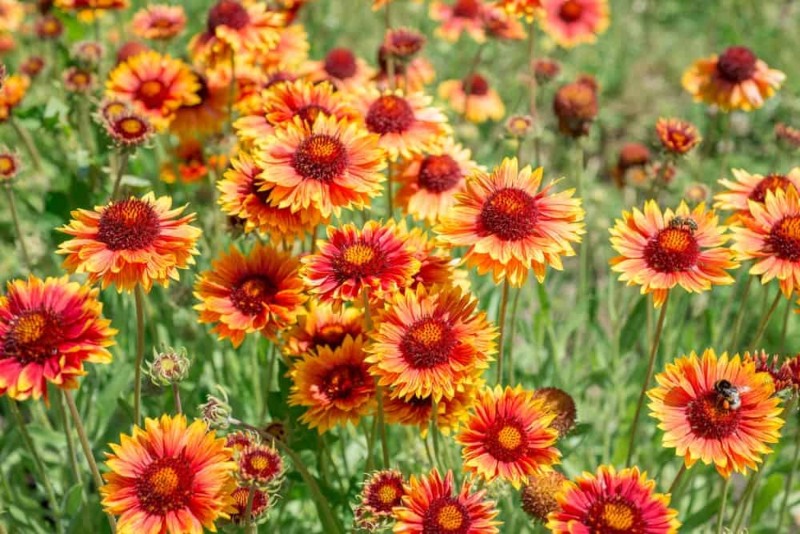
(721, 516)
(250, 525)
(12, 208)
(176, 395)
(676, 481)
(73, 458)
(378, 390)
(648, 377)
(762, 327)
(37, 460)
(87, 449)
(789, 480)
(511, 335)
(737, 325)
(122, 163)
(501, 324)
(435, 432)
(268, 381)
(784, 329)
(137, 385)
(30, 146)
(258, 397)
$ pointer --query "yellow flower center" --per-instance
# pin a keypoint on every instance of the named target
(131, 126)
(29, 328)
(675, 240)
(259, 462)
(164, 481)
(387, 494)
(618, 516)
(428, 333)
(450, 517)
(6, 165)
(151, 88)
(359, 254)
(509, 437)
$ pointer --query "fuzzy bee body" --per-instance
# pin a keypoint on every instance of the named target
(684, 223)
(729, 395)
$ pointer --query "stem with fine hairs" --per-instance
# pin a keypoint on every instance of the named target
(501, 324)
(250, 525)
(27, 141)
(762, 326)
(721, 516)
(378, 389)
(137, 385)
(12, 209)
(648, 377)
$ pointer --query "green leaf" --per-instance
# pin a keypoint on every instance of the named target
(766, 496)
(701, 516)
(72, 500)
(634, 325)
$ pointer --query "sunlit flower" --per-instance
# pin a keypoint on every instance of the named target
(508, 436)
(660, 251)
(130, 242)
(352, 261)
(717, 410)
(323, 326)
(328, 165)
(159, 21)
(342, 68)
(539, 494)
(32, 67)
(260, 465)
(48, 329)
(156, 85)
(771, 236)
(12, 93)
(511, 225)
(383, 490)
(417, 411)
(474, 98)
(290, 52)
(612, 501)
(243, 196)
(501, 25)
(677, 136)
(405, 123)
(430, 343)
(431, 504)
(334, 386)
(457, 17)
(242, 294)
(521, 8)
(127, 127)
(206, 114)
(12, 13)
(747, 187)
(429, 182)
(737, 79)
(436, 267)
(169, 477)
(573, 22)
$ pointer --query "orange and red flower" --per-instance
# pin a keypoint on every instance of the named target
(430, 343)
(417, 411)
(341, 67)
(511, 226)
(169, 477)
(677, 136)
(159, 21)
(737, 79)
(405, 123)
(430, 505)
(508, 435)
(130, 242)
(473, 98)
(352, 261)
(258, 292)
(204, 115)
(698, 419)
(328, 165)
(334, 385)
(573, 22)
(48, 329)
(753, 187)
(521, 8)
(429, 182)
(612, 501)
(660, 251)
(323, 326)
(460, 16)
(156, 85)
(771, 236)
(11, 94)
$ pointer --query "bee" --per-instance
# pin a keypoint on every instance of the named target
(729, 395)
(683, 223)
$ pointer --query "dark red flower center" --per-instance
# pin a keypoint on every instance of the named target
(384, 493)
(151, 93)
(341, 63)
(130, 127)
(467, 9)
(771, 182)
(428, 342)
(260, 463)
(510, 214)
(342, 381)
(228, 13)
(33, 336)
(476, 85)
(784, 238)
(672, 249)
(240, 497)
(165, 485)
(506, 440)
(8, 165)
(446, 515)
(252, 294)
(709, 417)
(439, 173)
(128, 225)
(736, 64)
(389, 114)
(320, 157)
(614, 515)
(331, 335)
(570, 11)
(310, 113)
(358, 260)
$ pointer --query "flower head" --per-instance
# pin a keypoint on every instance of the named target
(9, 164)
(677, 136)
(458, 17)
(258, 508)
(159, 22)
(48, 329)
(169, 366)
(718, 410)
(169, 476)
(737, 79)
(382, 491)
(474, 98)
(257, 292)
(747, 187)
(508, 436)
(539, 494)
(130, 242)
(431, 504)
(323, 326)
(11, 94)
(128, 128)
(511, 225)
(612, 501)
(260, 465)
(561, 404)
(660, 251)
(418, 411)
(575, 106)
(573, 22)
